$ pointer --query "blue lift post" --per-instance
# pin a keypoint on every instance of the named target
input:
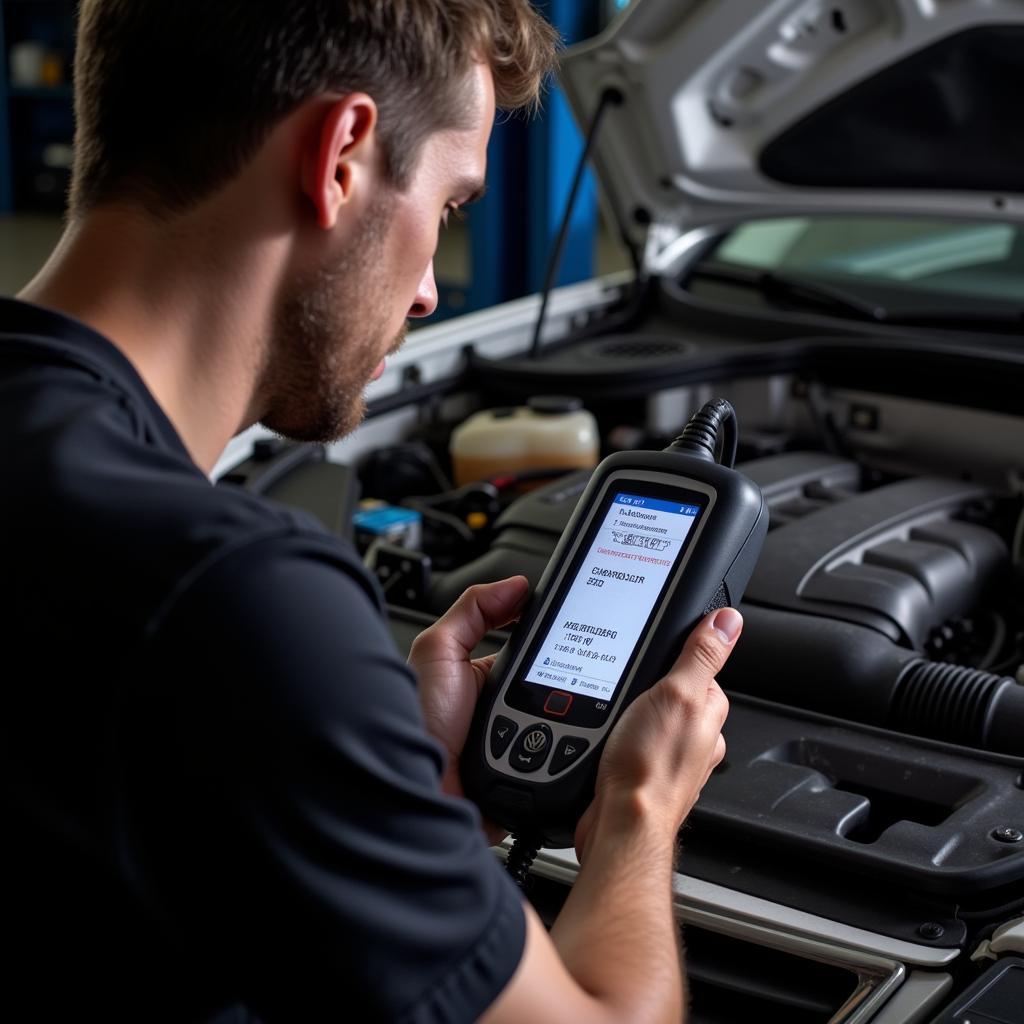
(530, 167)
(555, 148)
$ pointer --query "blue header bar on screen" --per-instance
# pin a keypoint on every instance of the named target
(657, 504)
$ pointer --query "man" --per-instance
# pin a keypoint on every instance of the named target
(224, 796)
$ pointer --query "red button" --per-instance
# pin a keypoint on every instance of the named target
(558, 703)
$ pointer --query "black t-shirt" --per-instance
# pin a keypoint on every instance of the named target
(219, 801)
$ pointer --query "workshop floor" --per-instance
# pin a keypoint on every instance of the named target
(26, 241)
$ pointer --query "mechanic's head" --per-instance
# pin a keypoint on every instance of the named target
(390, 105)
(173, 98)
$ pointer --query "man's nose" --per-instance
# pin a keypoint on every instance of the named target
(425, 301)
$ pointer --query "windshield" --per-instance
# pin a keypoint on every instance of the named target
(925, 262)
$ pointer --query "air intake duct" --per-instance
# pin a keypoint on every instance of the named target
(856, 673)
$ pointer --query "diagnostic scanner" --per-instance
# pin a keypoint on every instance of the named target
(657, 540)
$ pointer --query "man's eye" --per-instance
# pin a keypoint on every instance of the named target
(451, 211)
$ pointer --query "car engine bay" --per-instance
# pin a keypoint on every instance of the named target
(813, 241)
(873, 789)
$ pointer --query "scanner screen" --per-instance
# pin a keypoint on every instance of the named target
(601, 618)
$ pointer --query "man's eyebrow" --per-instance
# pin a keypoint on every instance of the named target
(472, 188)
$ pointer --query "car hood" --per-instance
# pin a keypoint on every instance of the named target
(725, 110)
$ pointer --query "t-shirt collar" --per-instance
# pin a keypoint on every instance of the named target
(79, 343)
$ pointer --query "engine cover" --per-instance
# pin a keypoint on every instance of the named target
(896, 558)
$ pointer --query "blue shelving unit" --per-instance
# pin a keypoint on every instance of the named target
(42, 92)
(34, 117)
(511, 231)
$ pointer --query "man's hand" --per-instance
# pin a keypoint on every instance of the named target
(450, 679)
(668, 742)
(612, 953)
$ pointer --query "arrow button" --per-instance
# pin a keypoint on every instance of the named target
(568, 750)
(503, 732)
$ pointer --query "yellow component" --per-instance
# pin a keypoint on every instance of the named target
(476, 520)
(514, 440)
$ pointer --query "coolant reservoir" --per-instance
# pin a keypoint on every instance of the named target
(549, 432)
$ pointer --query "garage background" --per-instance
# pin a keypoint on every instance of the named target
(495, 254)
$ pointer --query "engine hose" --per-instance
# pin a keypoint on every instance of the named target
(854, 672)
(960, 705)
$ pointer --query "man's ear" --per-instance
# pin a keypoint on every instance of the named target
(343, 141)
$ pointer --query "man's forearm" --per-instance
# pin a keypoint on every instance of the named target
(616, 933)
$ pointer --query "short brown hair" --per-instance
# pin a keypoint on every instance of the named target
(173, 96)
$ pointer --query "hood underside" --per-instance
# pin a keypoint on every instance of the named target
(725, 110)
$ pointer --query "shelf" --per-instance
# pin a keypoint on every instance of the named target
(42, 92)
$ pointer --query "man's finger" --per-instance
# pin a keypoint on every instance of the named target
(717, 699)
(480, 609)
(482, 669)
(717, 757)
(707, 648)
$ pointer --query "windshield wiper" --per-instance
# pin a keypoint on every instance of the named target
(775, 286)
(830, 298)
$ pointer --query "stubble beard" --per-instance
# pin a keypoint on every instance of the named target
(327, 341)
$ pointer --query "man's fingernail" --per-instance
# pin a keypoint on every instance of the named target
(728, 623)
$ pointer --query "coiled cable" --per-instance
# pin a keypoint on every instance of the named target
(525, 847)
(711, 434)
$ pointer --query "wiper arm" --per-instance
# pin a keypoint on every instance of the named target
(829, 297)
(774, 285)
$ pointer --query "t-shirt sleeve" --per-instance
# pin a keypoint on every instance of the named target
(287, 819)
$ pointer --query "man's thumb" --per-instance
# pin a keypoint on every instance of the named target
(710, 644)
